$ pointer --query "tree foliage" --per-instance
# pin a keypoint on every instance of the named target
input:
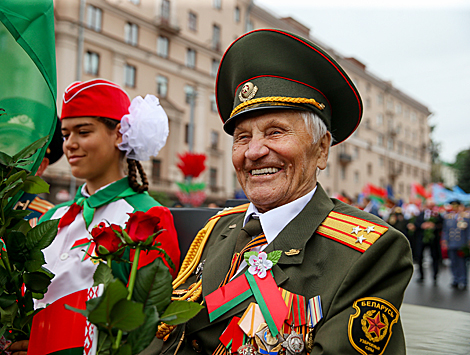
(462, 165)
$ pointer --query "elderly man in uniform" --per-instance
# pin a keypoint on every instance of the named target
(293, 271)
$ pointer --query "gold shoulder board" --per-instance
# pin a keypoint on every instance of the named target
(354, 232)
(231, 210)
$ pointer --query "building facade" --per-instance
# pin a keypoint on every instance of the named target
(172, 49)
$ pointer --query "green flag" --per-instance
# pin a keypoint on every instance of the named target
(28, 85)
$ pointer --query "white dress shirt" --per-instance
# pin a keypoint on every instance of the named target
(275, 220)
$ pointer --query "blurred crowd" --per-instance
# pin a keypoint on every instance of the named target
(443, 230)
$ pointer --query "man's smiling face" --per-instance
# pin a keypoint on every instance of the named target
(275, 159)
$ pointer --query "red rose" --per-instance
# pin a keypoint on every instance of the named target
(141, 226)
(106, 240)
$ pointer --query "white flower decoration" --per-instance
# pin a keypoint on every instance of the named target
(259, 264)
(145, 129)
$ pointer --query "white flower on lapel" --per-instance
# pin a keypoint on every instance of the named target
(259, 264)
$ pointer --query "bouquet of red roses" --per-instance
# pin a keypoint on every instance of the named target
(127, 317)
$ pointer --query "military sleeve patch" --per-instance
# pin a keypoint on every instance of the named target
(370, 328)
(354, 232)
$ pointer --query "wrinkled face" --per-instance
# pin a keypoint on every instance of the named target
(90, 147)
(275, 159)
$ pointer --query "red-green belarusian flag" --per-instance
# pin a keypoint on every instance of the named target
(28, 84)
(418, 191)
(376, 193)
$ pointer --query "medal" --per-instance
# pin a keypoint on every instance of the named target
(246, 349)
(294, 344)
(267, 344)
(309, 340)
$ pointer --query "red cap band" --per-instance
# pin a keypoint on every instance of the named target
(95, 98)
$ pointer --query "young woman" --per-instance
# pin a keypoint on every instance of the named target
(100, 128)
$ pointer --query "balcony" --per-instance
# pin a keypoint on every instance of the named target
(167, 24)
(344, 158)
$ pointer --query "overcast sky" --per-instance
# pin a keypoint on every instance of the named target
(423, 47)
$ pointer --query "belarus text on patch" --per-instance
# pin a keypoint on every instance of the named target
(370, 328)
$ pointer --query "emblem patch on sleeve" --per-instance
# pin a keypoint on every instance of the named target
(370, 328)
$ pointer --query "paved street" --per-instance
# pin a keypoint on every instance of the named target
(436, 318)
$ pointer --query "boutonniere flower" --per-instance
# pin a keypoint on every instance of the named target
(260, 262)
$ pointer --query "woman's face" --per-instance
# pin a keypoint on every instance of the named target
(92, 149)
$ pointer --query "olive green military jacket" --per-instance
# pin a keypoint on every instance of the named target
(338, 273)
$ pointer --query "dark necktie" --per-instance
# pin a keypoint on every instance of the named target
(245, 242)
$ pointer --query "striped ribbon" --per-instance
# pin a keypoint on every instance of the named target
(238, 258)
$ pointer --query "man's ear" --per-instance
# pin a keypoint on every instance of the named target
(118, 134)
(324, 150)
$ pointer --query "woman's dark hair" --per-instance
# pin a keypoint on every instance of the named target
(132, 165)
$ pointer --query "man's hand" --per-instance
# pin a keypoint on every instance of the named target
(19, 347)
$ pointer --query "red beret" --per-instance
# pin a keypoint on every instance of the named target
(95, 98)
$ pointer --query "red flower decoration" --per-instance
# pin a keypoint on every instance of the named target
(192, 164)
(106, 240)
(141, 226)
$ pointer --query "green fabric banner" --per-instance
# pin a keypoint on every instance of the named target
(28, 87)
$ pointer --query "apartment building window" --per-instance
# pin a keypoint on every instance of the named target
(216, 37)
(213, 178)
(162, 85)
(380, 140)
(249, 25)
(213, 103)
(129, 75)
(192, 21)
(217, 4)
(131, 33)
(380, 99)
(400, 188)
(156, 169)
(214, 67)
(356, 177)
(380, 119)
(163, 45)
(91, 62)
(214, 140)
(400, 148)
(369, 169)
(390, 144)
(189, 91)
(381, 161)
(166, 9)
(94, 17)
(236, 14)
(191, 58)
(355, 153)
(135, 2)
(186, 133)
(413, 116)
(390, 104)
(382, 183)
(398, 109)
(343, 172)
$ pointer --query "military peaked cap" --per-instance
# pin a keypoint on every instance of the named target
(274, 69)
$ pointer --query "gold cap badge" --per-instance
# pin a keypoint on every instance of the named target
(247, 92)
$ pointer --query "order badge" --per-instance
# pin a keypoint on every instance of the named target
(370, 328)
